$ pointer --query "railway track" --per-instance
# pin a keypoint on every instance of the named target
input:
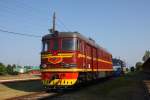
(19, 80)
(36, 96)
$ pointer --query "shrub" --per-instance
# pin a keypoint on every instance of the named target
(2, 69)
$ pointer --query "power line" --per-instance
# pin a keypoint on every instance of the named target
(33, 9)
(63, 24)
(22, 34)
(12, 10)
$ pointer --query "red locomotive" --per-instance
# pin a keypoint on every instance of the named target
(69, 58)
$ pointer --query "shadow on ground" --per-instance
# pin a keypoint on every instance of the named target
(128, 87)
(26, 86)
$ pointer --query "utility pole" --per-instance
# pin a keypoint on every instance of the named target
(54, 18)
(52, 30)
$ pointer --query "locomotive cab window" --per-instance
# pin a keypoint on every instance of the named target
(45, 46)
(68, 44)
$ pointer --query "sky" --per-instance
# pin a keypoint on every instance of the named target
(120, 26)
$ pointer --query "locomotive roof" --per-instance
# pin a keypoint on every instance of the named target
(75, 35)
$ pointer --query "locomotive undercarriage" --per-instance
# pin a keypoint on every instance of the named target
(92, 76)
(83, 78)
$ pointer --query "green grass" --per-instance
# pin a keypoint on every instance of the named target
(127, 87)
(128, 81)
(114, 84)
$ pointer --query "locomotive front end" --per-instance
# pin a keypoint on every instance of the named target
(58, 61)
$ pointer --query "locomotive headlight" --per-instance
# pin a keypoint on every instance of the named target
(65, 65)
(73, 65)
(68, 65)
(44, 66)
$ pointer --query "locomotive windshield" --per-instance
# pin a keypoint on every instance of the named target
(53, 44)
(68, 44)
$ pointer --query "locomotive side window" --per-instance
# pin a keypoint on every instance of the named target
(68, 44)
(78, 44)
(45, 46)
(81, 46)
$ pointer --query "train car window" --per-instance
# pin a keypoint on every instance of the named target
(78, 44)
(109, 58)
(102, 55)
(88, 49)
(45, 46)
(55, 44)
(94, 53)
(99, 53)
(82, 46)
(68, 44)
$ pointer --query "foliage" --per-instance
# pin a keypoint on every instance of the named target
(2, 69)
(132, 69)
(146, 55)
(118, 62)
(138, 66)
(14, 73)
(10, 70)
(127, 69)
(14, 66)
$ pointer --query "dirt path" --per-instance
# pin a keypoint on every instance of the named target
(20, 76)
(10, 90)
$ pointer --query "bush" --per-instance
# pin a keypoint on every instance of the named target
(9, 69)
(132, 69)
(2, 69)
(138, 66)
(14, 73)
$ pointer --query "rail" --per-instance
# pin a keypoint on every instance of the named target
(18, 80)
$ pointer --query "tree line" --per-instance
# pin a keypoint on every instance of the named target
(9, 69)
(139, 64)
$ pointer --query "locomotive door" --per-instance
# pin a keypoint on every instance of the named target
(88, 54)
(94, 59)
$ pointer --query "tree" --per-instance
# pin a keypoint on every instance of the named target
(118, 62)
(9, 69)
(2, 69)
(132, 69)
(127, 69)
(14, 71)
(138, 66)
(146, 55)
(14, 66)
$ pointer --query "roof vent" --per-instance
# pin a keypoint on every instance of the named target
(76, 32)
(91, 40)
(55, 34)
